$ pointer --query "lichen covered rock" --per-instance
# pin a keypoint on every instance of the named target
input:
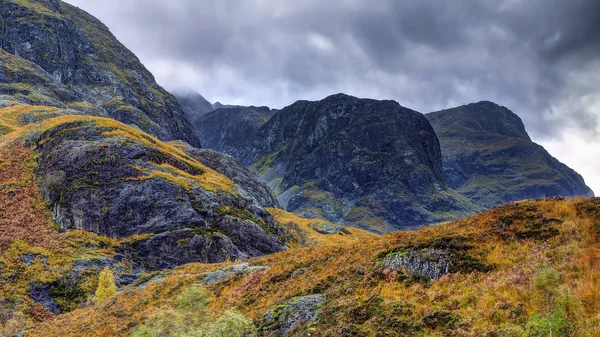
(292, 314)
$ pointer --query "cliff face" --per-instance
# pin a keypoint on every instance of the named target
(230, 130)
(374, 164)
(82, 64)
(488, 156)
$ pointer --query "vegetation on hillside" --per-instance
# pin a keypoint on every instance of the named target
(524, 269)
(34, 252)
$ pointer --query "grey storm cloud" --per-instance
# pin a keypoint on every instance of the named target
(540, 58)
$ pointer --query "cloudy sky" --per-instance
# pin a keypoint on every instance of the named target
(540, 58)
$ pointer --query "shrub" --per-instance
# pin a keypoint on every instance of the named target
(229, 324)
(556, 324)
(106, 285)
(192, 300)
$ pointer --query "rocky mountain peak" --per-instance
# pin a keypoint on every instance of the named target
(481, 116)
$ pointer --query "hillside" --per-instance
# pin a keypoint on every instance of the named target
(56, 54)
(524, 269)
(488, 156)
(80, 193)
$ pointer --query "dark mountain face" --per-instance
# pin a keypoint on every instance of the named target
(230, 130)
(78, 63)
(369, 163)
(488, 156)
(107, 178)
(193, 104)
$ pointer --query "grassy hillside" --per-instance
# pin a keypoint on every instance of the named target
(41, 262)
(524, 269)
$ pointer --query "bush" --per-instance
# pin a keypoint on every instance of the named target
(229, 324)
(190, 317)
(106, 285)
(556, 324)
(192, 300)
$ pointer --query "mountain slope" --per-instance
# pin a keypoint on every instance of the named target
(193, 104)
(524, 269)
(81, 64)
(368, 163)
(488, 156)
(230, 130)
(80, 193)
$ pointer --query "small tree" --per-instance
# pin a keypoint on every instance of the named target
(106, 285)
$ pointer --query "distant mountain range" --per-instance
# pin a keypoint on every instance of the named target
(195, 105)
(368, 163)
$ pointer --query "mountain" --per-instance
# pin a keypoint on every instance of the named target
(372, 164)
(523, 269)
(488, 157)
(230, 130)
(56, 54)
(193, 104)
(82, 193)
(261, 109)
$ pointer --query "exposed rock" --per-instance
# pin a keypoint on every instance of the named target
(433, 260)
(372, 164)
(230, 130)
(39, 292)
(227, 272)
(325, 228)
(488, 156)
(294, 313)
(30, 259)
(74, 59)
(98, 182)
(430, 264)
(249, 183)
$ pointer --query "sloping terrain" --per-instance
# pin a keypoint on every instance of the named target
(230, 130)
(75, 62)
(524, 269)
(193, 104)
(488, 156)
(367, 163)
(80, 193)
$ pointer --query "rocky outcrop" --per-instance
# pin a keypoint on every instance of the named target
(231, 271)
(107, 178)
(429, 264)
(369, 163)
(74, 60)
(295, 313)
(193, 104)
(250, 184)
(488, 156)
(230, 130)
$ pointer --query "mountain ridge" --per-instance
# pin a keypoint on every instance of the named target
(488, 156)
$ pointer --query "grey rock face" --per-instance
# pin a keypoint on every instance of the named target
(429, 263)
(92, 182)
(296, 312)
(227, 272)
(230, 130)
(85, 62)
(324, 228)
(488, 156)
(249, 183)
(39, 292)
(373, 164)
